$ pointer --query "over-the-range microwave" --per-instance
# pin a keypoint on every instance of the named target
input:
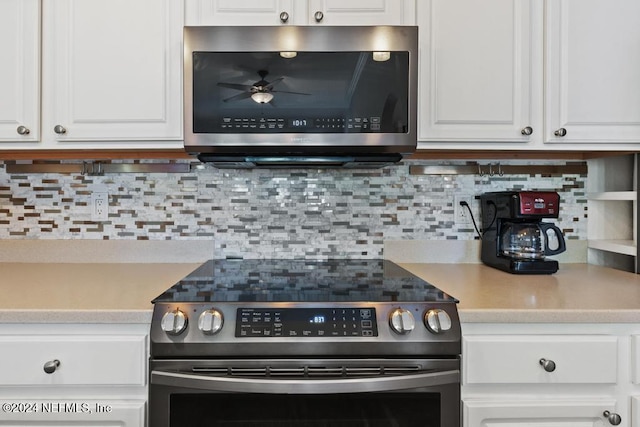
(300, 95)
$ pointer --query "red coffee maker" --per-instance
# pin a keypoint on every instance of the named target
(514, 238)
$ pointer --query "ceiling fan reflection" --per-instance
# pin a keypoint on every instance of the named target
(261, 91)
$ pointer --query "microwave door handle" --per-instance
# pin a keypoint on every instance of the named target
(300, 386)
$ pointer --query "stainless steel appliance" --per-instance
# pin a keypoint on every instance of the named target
(304, 343)
(514, 238)
(300, 96)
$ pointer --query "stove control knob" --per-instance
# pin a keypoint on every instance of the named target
(210, 321)
(401, 321)
(174, 322)
(437, 321)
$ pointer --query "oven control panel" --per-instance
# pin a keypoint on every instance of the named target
(294, 329)
(306, 322)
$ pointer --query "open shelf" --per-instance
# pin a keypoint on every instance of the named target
(625, 247)
(613, 195)
(613, 214)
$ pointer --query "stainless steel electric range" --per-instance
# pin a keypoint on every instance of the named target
(304, 343)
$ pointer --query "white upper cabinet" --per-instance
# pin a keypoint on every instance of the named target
(112, 72)
(362, 12)
(300, 12)
(242, 12)
(478, 80)
(565, 71)
(592, 67)
(20, 70)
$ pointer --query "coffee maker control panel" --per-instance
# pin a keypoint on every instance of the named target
(541, 203)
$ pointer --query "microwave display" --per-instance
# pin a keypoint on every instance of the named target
(300, 92)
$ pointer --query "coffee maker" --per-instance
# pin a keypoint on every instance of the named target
(514, 238)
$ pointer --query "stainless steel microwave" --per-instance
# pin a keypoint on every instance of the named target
(300, 96)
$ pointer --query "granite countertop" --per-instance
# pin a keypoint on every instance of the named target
(122, 292)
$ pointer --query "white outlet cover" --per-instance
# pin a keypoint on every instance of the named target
(99, 206)
(461, 213)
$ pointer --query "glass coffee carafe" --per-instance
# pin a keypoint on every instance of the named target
(530, 240)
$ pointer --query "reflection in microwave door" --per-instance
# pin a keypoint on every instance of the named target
(261, 92)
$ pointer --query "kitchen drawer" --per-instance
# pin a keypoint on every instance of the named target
(77, 413)
(559, 412)
(503, 359)
(84, 359)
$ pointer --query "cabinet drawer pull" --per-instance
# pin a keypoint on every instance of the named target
(560, 132)
(59, 129)
(284, 17)
(23, 130)
(527, 130)
(613, 418)
(51, 366)
(318, 16)
(548, 365)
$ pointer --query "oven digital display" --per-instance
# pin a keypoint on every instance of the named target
(306, 322)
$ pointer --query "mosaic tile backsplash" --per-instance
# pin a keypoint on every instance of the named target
(267, 213)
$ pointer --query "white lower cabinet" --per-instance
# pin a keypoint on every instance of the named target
(550, 375)
(76, 412)
(536, 413)
(635, 370)
(635, 354)
(541, 359)
(73, 374)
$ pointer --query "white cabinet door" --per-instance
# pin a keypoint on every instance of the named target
(556, 413)
(112, 71)
(361, 12)
(20, 70)
(300, 12)
(77, 412)
(592, 66)
(244, 12)
(635, 411)
(478, 77)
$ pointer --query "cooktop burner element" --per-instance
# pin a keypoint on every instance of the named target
(299, 308)
(302, 281)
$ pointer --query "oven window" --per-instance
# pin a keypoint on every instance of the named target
(339, 410)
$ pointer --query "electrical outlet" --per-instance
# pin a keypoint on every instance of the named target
(99, 206)
(461, 213)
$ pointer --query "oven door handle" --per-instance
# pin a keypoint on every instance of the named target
(304, 386)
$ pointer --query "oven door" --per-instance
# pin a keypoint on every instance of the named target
(334, 393)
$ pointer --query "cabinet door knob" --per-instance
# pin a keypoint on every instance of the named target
(560, 132)
(527, 130)
(23, 130)
(284, 17)
(613, 418)
(60, 130)
(548, 365)
(51, 366)
(318, 16)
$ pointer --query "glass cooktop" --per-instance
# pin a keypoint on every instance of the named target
(302, 281)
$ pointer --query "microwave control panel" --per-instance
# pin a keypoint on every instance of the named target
(301, 124)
